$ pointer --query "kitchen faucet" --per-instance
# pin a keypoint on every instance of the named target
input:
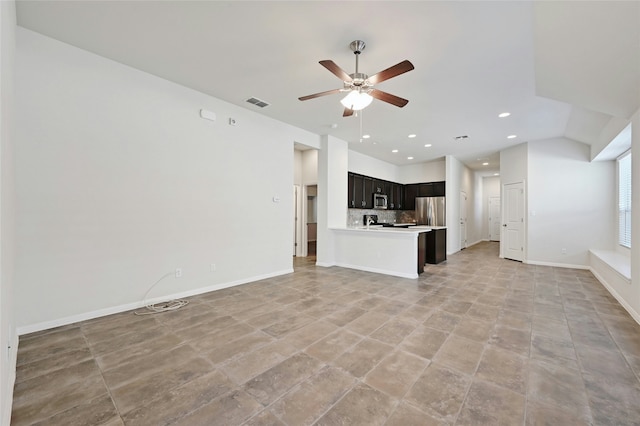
(370, 221)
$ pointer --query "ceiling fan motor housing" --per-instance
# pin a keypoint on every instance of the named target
(358, 79)
(357, 46)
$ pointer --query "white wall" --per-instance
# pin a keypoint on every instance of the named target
(310, 167)
(369, 166)
(119, 182)
(8, 336)
(513, 169)
(297, 167)
(332, 192)
(571, 203)
(432, 171)
(459, 178)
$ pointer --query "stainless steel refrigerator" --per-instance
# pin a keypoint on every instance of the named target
(431, 211)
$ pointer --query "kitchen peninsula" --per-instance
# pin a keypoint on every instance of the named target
(385, 250)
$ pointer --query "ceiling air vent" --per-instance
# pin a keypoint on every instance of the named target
(257, 102)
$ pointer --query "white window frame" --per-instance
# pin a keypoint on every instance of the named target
(623, 199)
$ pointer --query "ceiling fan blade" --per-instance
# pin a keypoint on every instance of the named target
(393, 71)
(336, 70)
(347, 112)
(317, 95)
(388, 97)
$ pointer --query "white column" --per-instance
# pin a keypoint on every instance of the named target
(332, 195)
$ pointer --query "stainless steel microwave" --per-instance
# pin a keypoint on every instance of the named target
(379, 201)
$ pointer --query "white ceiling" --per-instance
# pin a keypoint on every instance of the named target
(473, 60)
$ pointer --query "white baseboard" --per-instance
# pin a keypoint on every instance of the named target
(135, 305)
(634, 314)
(325, 264)
(555, 265)
(473, 244)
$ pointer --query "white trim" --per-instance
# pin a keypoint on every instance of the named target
(555, 265)
(129, 306)
(325, 264)
(635, 315)
(11, 380)
(378, 271)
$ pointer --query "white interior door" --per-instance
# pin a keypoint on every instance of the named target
(463, 220)
(495, 219)
(513, 225)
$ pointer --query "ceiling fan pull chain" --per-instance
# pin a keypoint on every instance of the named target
(361, 111)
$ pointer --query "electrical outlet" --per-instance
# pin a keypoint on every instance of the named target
(212, 267)
(178, 272)
(564, 251)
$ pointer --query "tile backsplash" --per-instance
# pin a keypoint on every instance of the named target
(355, 216)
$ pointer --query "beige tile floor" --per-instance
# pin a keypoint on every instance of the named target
(475, 340)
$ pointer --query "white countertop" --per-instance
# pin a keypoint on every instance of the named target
(387, 230)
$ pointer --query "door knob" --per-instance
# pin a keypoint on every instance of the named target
(505, 225)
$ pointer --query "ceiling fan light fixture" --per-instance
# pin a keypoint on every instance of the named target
(356, 100)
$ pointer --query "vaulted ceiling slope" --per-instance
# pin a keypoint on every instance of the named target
(559, 68)
(588, 54)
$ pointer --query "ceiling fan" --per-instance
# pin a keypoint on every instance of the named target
(360, 86)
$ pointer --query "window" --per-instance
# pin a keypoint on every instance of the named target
(624, 199)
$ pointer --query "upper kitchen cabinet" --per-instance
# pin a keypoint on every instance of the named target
(410, 194)
(360, 191)
(400, 197)
(431, 189)
(395, 194)
(439, 189)
(369, 188)
(356, 191)
(425, 190)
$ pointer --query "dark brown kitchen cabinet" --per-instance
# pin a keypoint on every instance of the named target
(367, 194)
(399, 197)
(422, 250)
(378, 186)
(410, 194)
(439, 189)
(396, 196)
(425, 189)
(356, 191)
(436, 246)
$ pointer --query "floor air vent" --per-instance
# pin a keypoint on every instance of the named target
(257, 102)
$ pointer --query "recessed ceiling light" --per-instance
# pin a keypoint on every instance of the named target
(366, 136)
(485, 164)
(496, 174)
(428, 145)
(504, 114)
(512, 137)
(409, 158)
(394, 151)
(412, 136)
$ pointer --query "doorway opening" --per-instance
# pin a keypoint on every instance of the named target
(312, 220)
(495, 219)
(463, 220)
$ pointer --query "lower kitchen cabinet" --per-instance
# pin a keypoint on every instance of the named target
(436, 246)
(422, 250)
